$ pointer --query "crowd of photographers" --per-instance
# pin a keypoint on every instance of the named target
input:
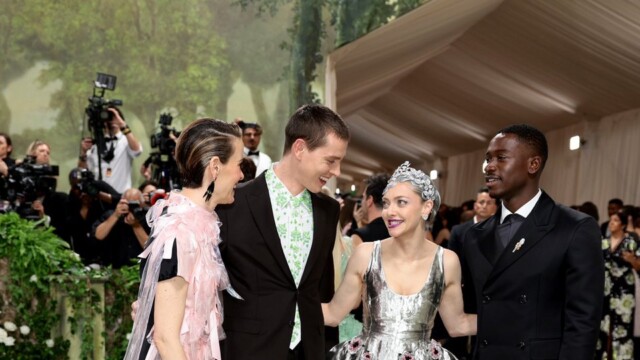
(103, 215)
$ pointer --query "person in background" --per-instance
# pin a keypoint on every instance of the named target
(613, 207)
(621, 257)
(120, 149)
(6, 161)
(251, 136)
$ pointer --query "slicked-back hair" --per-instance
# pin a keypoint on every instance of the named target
(531, 136)
(7, 138)
(198, 143)
(313, 123)
(375, 187)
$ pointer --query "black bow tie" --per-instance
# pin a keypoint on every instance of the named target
(256, 153)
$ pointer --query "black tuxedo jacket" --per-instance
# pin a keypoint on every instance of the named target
(456, 245)
(543, 299)
(260, 326)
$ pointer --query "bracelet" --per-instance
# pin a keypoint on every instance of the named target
(125, 130)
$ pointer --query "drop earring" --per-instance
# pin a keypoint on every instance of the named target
(425, 217)
(209, 192)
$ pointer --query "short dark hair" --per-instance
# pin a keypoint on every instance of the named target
(248, 168)
(375, 187)
(590, 208)
(531, 136)
(247, 125)
(483, 189)
(313, 123)
(623, 218)
(147, 183)
(616, 201)
(198, 143)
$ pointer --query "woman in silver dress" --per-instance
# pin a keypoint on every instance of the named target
(403, 281)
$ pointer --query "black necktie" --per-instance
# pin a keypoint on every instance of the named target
(508, 228)
(256, 153)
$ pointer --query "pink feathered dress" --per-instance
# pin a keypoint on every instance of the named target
(195, 231)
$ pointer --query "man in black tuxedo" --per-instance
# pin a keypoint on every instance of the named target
(483, 207)
(278, 236)
(536, 266)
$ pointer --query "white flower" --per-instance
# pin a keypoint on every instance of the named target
(129, 335)
(10, 326)
(9, 341)
(24, 330)
(49, 343)
(33, 278)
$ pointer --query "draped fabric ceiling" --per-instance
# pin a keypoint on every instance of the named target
(442, 79)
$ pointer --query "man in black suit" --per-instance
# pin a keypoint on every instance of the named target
(278, 236)
(483, 207)
(539, 273)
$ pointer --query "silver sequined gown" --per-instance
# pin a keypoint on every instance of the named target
(396, 326)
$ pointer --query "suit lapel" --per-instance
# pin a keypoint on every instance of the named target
(319, 231)
(532, 230)
(489, 247)
(262, 213)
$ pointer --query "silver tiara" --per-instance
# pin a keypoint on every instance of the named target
(418, 179)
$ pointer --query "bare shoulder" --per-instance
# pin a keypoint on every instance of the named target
(450, 259)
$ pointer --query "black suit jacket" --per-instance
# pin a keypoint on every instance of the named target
(260, 326)
(456, 245)
(544, 300)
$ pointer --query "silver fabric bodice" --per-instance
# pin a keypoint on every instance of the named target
(396, 326)
(400, 317)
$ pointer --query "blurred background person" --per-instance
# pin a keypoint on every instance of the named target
(248, 168)
(5, 154)
(251, 136)
(620, 251)
(123, 231)
(121, 147)
(88, 199)
(613, 207)
(590, 208)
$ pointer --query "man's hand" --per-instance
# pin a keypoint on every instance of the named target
(122, 208)
(118, 122)
(4, 169)
(86, 144)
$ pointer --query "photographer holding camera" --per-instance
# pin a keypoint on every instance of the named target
(88, 200)
(123, 231)
(120, 150)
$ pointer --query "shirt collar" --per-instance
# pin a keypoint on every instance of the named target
(281, 194)
(524, 210)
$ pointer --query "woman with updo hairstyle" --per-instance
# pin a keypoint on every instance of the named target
(179, 313)
(401, 281)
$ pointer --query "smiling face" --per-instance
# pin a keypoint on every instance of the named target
(615, 223)
(512, 169)
(315, 167)
(228, 176)
(403, 210)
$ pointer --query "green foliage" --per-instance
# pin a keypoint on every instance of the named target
(36, 270)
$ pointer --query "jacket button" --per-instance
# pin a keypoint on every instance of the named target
(486, 299)
(521, 345)
(523, 299)
(484, 343)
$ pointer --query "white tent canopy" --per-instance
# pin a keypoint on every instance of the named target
(441, 80)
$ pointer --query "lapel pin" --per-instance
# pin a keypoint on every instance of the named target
(518, 245)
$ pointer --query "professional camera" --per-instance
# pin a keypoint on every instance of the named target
(98, 105)
(163, 140)
(165, 169)
(25, 183)
(86, 182)
(139, 212)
